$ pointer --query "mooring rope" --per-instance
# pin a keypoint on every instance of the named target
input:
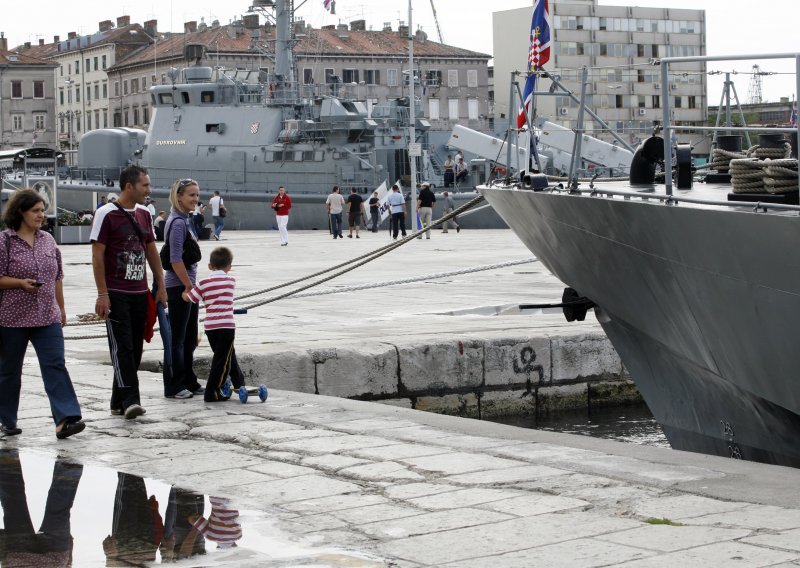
(764, 170)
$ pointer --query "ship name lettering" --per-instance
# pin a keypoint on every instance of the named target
(170, 142)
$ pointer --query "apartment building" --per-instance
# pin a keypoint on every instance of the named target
(27, 101)
(620, 46)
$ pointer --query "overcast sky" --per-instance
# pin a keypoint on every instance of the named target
(733, 26)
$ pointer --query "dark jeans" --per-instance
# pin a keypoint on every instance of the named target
(183, 322)
(223, 363)
(376, 218)
(125, 326)
(135, 526)
(48, 341)
(181, 505)
(336, 224)
(398, 224)
(219, 223)
(448, 178)
(54, 533)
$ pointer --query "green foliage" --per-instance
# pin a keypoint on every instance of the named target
(654, 521)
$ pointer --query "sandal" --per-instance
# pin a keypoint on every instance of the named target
(10, 431)
(69, 428)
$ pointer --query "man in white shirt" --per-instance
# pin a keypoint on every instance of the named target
(397, 202)
(335, 205)
(219, 221)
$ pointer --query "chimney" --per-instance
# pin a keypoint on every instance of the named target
(420, 36)
(105, 25)
(328, 27)
(72, 35)
(341, 31)
(251, 22)
(41, 41)
(3, 42)
(358, 26)
(402, 29)
(387, 26)
(56, 39)
(189, 27)
(123, 21)
(27, 45)
(151, 27)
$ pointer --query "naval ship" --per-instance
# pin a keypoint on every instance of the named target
(244, 133)
(698, 291)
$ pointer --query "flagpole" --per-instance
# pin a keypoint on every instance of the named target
(412, 135)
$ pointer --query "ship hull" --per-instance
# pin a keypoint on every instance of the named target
(702, 305)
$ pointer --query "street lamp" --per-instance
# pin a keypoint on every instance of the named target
(155, 45)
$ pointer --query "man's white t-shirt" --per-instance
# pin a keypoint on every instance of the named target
(215, 202)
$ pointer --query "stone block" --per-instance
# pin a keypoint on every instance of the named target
(614, 393)
(517, 361)
(566, 397)
(584, 357)
(370, 370)
(291, 370)
(507, 403)
(442, 367)
(465, 405)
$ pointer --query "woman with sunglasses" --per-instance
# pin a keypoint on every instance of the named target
(178, 278)
(32, 310)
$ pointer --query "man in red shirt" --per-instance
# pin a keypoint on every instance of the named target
(122, 241)
(281, 204)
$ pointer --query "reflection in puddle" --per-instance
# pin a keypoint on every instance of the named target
(91, 516)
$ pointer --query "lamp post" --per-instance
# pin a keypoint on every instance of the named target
(155, 51)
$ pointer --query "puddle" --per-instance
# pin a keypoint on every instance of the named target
(504, 310)
(58, 513)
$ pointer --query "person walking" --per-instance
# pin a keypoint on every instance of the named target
(397, 202)
(219, 221)
(180, 275)
(282, 204)
(32, 311)
(198, 218)
(425, 203)
(122, 242)
(355, 213)
(449, 207)
(375, 211)
(335, 205)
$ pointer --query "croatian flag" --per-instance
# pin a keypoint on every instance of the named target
(328, 5)
(793, 117)
(538, 54)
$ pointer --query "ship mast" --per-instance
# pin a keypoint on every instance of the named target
(284, 53)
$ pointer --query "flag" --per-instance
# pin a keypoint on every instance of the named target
(793, 117)
(328, 5)
(538, 53)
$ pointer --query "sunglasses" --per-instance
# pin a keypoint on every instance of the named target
(185, 182)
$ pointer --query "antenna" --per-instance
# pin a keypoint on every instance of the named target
(754, 89)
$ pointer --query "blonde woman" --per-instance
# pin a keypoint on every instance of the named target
(180, 275)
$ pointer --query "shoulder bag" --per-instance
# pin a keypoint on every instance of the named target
(191, 250)
(223, 211)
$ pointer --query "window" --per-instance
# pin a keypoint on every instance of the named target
(350, 75)
(452, 109)
(97, 119)
(641, 102)
(134, 86)
(656, 101)
(77, 67)
(207, 97)
(135, 116)
(391, 77)
(372, 76)
(88, 65)
(117, 119)
(61, 96)
(154, 80)
(105, 118)
(433, 109)
(308, 76)
(692, 101)
(125, 88)
(472, 78)
(88, 92)
(77, 93)
(16, 123)
(145, 115)
(88, 121)
(125, 121)
(105, 90)
(144, 84)
(96, 67)
(116, 88)
(38, 89)
(329, 75)
(433, 78)
(96, 92)
(38, 122)
(16, 89)
(678, 102)
(452, 78)
(472, 109)
(104, 61)
(619, 101)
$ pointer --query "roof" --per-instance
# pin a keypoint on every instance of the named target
(311, 43)
(22, 59)
(120, 35)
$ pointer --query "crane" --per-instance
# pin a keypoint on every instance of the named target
(436, 20)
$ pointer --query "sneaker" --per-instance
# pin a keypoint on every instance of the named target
(185, 393)
(458, 229)
(349, 236)
(199, 390)
(116, 412)
(134, 410)
(358, 237)
(10, 430)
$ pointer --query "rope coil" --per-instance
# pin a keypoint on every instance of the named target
(764, 170)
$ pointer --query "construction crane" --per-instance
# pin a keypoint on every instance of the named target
(436, 20)
(754, 89)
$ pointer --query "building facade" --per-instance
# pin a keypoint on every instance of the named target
(27, 100)
(349, 61)
(620, 46)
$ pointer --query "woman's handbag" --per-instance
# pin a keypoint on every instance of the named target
(191, 250)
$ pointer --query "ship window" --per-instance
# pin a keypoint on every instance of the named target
(185, 97)
(308, 156)
(165, 98)
(207, 97)
(218, 128)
